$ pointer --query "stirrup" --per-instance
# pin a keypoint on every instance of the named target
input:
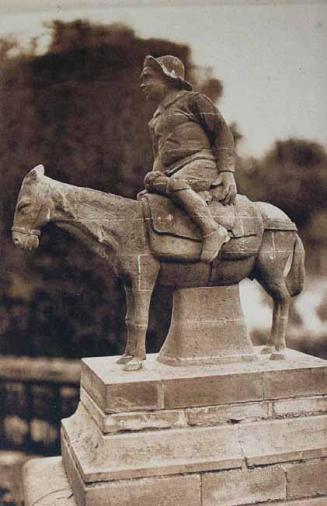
(212, 244)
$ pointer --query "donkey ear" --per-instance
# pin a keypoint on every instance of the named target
(37, 171)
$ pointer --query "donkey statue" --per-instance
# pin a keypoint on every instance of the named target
(147, 242)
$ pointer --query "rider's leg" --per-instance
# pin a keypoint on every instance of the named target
(213, 234)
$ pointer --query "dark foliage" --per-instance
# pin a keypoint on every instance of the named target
(292, 176)
(78, 110)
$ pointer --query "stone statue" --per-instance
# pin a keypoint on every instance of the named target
(193, 148)
(168, 435)
(168, 249)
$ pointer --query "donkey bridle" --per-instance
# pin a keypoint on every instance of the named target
(23, 230)
(32, 231)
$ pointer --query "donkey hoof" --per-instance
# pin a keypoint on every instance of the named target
(133, 365)
(266, 350)
(124, 359)
(277, 355)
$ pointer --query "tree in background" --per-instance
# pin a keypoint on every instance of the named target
(292, 176)
(78, 110)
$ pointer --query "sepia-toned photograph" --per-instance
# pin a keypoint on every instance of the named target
(163, 239)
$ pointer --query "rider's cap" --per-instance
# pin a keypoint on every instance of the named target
(170, 66)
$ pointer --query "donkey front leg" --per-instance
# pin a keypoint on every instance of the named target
(138, 329)
(129, 321)
(142, 280)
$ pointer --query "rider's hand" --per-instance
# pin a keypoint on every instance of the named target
(156, 182)
(150, 178)
(140, 194)
(229, 188)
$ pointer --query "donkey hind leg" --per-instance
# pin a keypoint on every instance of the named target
(269, 347)
(281, 300)
(129, 321)
(269, 270)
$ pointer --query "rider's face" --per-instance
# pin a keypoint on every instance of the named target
(154, 85)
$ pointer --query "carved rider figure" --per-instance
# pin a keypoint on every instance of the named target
(192, 145)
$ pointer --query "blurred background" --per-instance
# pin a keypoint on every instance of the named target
(70, 99)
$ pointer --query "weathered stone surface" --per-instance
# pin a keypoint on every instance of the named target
(115, 448)
(151, 453)
(215, 415)
(300, 406)
(214, 389)
(158, 386)
(296, 382)
(237, 487)
(46, 484)
(181, 490)
(73, 475)
(319, 501)
(115, 390)
(306, 480)
(284, 440)
(216, 315)
(133, 421)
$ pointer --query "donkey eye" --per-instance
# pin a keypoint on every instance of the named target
(22, 207)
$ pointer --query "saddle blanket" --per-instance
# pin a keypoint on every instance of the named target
(173, 235)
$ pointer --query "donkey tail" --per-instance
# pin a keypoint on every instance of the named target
(296, 274)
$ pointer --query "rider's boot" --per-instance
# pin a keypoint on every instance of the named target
(213, 234)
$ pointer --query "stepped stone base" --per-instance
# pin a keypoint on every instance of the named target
(229, 435)
(294, 484)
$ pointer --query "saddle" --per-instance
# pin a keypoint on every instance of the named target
(174, 236)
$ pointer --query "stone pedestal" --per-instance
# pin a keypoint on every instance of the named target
(234, 434)
(207, 327)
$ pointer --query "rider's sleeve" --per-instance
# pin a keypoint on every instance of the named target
(219, 134)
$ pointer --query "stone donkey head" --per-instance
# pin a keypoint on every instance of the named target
(30, 214)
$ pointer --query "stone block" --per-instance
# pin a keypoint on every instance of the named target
(158, 386)
(213, 389)
(300, 406)
(319, 501)
(237, 487)
(291, 382)
(73, 475)
(181, 490)
(46, 484)
(133, 421)
(284, 440)
(307, 479)
(116, 391)
(216, 415)
(152, 453)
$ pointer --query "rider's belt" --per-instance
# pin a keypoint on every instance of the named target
(205, 154)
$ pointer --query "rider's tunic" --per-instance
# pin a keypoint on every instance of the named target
(191, 140)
